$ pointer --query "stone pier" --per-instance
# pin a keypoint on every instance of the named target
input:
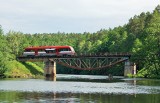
(50, 70)
(129, 68)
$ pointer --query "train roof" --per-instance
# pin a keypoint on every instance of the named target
(45, 47)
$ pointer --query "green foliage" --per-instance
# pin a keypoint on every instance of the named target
(137, 46)
(142, 73)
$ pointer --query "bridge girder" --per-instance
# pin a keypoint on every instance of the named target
(87, 62)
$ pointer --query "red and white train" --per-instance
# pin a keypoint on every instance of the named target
(60, 51)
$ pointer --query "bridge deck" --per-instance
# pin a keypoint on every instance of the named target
(29, 58)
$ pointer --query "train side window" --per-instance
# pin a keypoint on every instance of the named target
(41, 50)
(69, 49)
(60, 50)
(29, 51)
(50, 51)
(46, 51)
(64, 49)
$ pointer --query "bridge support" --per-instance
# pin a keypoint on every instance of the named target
(129, 68)
(50, 70)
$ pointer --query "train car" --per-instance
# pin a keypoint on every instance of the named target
(61, 51)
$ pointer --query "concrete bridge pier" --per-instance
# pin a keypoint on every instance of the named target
(50, 70)
(129, 68)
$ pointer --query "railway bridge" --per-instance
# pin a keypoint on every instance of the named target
(83, 62)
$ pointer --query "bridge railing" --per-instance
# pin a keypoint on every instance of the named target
(104, 54)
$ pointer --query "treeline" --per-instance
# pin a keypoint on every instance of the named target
(140, 36)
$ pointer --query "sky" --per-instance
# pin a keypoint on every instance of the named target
(69, 16)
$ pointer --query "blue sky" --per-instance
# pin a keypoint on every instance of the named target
(78, 16)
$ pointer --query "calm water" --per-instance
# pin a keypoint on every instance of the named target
(80, 88)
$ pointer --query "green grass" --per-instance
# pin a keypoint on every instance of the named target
(33, 68)
(17, 69)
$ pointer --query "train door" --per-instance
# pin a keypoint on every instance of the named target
(57, 52)
(36, 52)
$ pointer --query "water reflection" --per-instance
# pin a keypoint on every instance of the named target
(81, 88)
(90, 78)
(30, 97)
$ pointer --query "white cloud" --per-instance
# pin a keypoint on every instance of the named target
(69, 15)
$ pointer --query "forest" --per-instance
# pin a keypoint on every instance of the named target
(140, 37)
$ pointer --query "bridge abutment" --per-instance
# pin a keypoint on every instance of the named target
(129, 68)
(50, 70)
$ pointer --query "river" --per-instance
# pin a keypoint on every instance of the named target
(80, 89)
